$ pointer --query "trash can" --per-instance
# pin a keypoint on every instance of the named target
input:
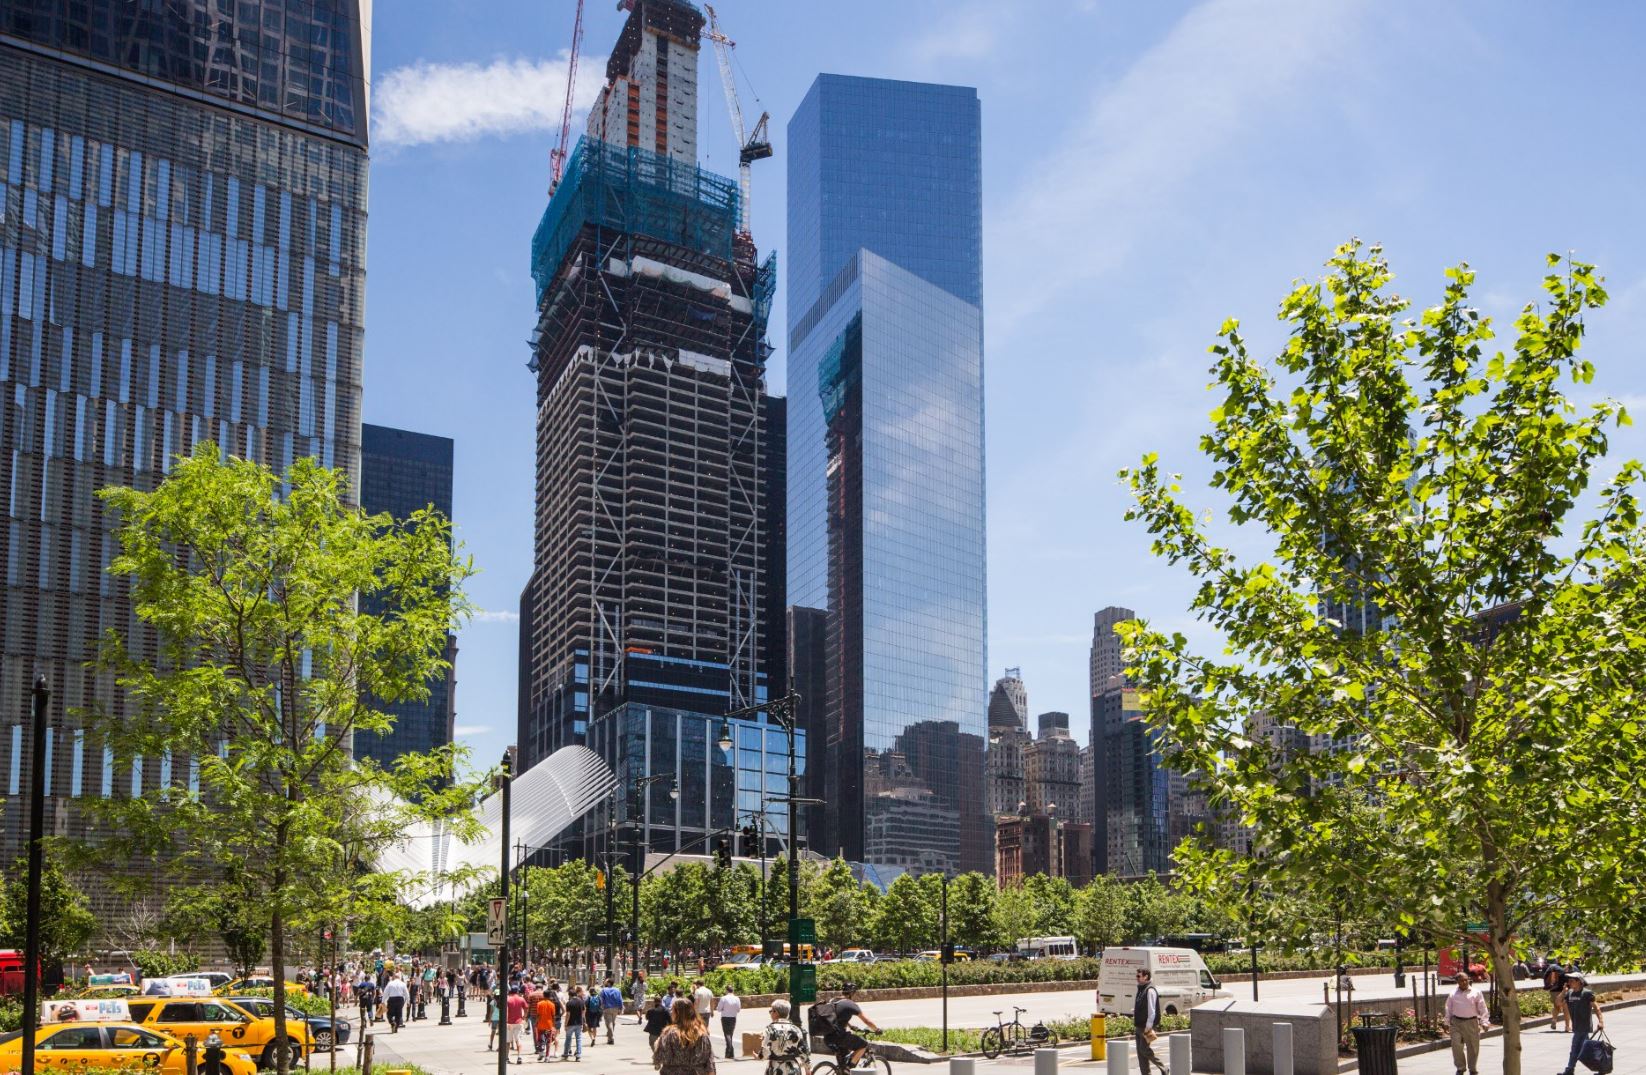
(1375, 1044)
(1100, 1042)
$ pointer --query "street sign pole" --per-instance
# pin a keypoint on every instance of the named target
(500, 1013)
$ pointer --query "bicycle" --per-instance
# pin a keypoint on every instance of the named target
(871, 1063)
(1014, 1037)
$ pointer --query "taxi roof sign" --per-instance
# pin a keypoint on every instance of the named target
(94, 1010)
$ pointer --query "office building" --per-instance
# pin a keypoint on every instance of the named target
(402, 473)
(1107, 660)
(182, 260)
(1051, 770)
(1131, 787)
(1008, 735)
(1009, 701)
(1053, 725)
(649, 601)
(885, 440)
(1041, 843)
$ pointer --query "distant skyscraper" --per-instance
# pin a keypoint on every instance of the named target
(1009, 702)
(1051, 769)
(886, 486)
(182, 259)
(649, 600)
(401, 473)
(1106, 659)
(1053, 725)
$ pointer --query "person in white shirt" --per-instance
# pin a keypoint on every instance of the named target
(394, 995)
(728, 1009)
(702, 1001)
(1466, 1017)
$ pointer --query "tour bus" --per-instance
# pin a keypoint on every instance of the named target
(1048, 948)
(1179, 975)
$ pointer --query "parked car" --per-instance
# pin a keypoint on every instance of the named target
(319, 1025)
(856, 955)
(121, 1046)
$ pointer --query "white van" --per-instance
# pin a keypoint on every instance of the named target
(1178, 974)
(1063, 948)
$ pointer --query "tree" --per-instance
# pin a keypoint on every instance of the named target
(256, 670)
(1434, 604)
(1100, 913)
(971, 911)
(907, 917)
(66, 923)
(1014, 914)
(841, 906)
(1052, 900)
(228, 910)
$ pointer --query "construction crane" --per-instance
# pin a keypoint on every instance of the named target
(557, 156)
(751, 147)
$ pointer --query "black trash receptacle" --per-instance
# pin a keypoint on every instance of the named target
(1375, 1044)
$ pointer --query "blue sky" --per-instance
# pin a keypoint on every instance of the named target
(1150, 168)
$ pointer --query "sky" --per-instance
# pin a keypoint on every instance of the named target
(1149, 169)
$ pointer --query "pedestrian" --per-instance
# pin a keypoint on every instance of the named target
(517, 1020)
(702, 1000)
(1583, 1015)
(637, 993)
(365, 992)
(611, 1006)
(494, 1019)
(1466, 1018)
(785, 1046)
(684, 1047)
(728, 1008)
(1146, 1023)
(1554, 980)
(394, 996)
(576, 1005)
(548, 1013)
(657, 1020)
(591, 1015)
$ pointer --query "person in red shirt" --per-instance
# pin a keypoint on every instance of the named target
(516, 1021)
(548, 1013)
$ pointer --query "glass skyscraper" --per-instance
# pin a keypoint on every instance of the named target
(886, 475)
(182, 258)
(402, 473)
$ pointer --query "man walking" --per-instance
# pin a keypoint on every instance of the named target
(394, 995)
(1146, 1023)
(1465, 1018)
(728, 1008)
(702, 1001)
(1582, 1013)
(611, 1006)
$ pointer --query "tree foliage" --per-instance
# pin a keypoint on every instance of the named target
(1435, 603)
(972, 899)
(263, 668)
(66, 923)
(906, 919)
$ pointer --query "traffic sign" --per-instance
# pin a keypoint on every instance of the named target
(802, 931)
(803, 982)
(497, 922)
(1475, 927)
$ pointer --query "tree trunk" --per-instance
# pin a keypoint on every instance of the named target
(1503, 975)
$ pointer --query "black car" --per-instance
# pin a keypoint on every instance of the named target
(319, 1025)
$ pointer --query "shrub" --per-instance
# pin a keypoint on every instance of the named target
(307, 1003)
(153, 963)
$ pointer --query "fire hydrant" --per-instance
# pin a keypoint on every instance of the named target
(214, 1054)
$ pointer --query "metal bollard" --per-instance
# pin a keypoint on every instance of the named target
(1282, 1048)
(1120, 1056)
(1045, 1062)
(962, 1065)
(446, 1008)
(1234, 1051)
(1181, 1053)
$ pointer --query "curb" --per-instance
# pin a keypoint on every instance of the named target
(1422, 1047)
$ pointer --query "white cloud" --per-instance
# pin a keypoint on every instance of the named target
(458, 102)
(467, 730)
(1223, 70)
(969, 34)
(496, 617)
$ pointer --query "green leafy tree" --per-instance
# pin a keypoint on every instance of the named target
(1100, 913)
(1052, 899)
(1401, 469)
(1014, 914)
(229, 911)
(841, 906)
(734, 906)
(674, 907)
(971, 911)
(906, 919)
(66, 923)
(262, 669)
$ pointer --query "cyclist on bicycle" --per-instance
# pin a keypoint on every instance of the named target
(841, 1037)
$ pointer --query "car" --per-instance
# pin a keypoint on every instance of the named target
(119, 1046)
(319, 1025)
(1005, 957)
(217, 978)
(180, 1016)
(856, 955)
(253, 981)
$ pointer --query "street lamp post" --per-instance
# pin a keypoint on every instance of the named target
(641, 827)
(506, 778)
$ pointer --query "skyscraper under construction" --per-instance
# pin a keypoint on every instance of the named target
(646, 615)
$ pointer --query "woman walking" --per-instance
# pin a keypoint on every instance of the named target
(685, 1047)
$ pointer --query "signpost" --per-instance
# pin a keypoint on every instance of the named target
(497, 922)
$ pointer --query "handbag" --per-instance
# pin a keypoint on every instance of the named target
(1596, 1054)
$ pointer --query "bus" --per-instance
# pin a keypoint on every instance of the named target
(1062, 948)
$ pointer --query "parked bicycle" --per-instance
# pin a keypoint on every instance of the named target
(1014, 1037)
(871, 1064)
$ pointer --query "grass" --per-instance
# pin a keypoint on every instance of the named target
(969, 1039)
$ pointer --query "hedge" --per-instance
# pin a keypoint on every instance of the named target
(969, 1039)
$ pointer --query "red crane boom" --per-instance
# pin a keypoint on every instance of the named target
(557, 157)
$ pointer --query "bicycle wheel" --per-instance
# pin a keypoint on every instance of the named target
(873, 1064)
(990, 1043)
(1017, 1037)
(824, 1067)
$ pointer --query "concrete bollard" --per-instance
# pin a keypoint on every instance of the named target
(1282, 1048)
(1120, 1056)
(1045, 1062)
(1181, 1053)
(1234, 1051)
(963, 1065)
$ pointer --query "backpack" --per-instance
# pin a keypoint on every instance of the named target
(823, 1018)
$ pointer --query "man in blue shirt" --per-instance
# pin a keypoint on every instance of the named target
(611, 1004)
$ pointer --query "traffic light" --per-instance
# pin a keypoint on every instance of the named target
(723, 852)
(600, 880)
(751, 841)
(948, 953)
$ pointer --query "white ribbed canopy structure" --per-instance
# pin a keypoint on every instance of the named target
(543, 802)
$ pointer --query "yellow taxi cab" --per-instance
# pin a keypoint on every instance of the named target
(255, 981)
(239, 1029)
(78, 1046)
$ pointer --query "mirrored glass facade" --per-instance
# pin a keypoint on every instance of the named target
(886, 473)
(174, 268)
